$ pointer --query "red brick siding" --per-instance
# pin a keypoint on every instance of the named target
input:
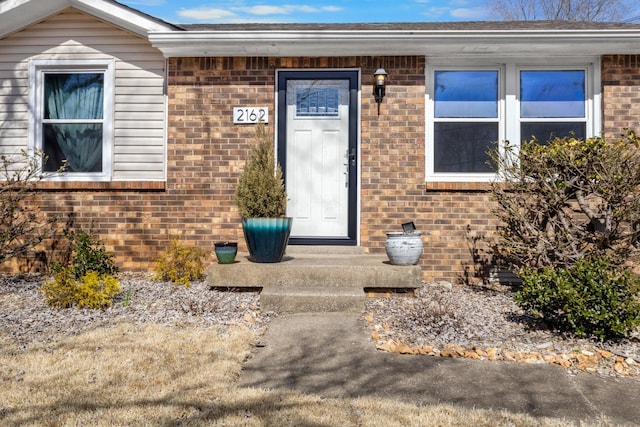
(620, 93)
(206, 153)
(203, 92)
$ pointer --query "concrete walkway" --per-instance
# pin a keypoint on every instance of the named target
(331, 355)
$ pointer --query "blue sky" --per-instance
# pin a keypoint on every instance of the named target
(307, 11)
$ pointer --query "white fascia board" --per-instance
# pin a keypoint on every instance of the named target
(123, 17)
(410, 42)
(18, 14)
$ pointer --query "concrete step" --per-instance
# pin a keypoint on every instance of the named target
(304, 299)
(325, 250)
(315, 282)
(316, 270)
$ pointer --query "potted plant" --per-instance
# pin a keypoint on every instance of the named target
(262, 202)
(405, 247)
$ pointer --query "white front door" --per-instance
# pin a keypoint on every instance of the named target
(318, 157)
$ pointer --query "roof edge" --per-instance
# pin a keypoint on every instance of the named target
(18, 14)
(348, 42)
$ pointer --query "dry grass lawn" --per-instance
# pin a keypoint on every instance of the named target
(150, 375)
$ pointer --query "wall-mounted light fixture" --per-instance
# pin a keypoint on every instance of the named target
(378, 87)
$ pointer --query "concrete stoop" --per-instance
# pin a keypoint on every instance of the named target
(317, 279)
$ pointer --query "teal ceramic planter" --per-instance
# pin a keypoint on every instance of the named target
(266, 238)
(226, 252)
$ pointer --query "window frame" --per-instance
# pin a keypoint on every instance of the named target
(37, 70)
(430, 152)
(584, 119)
(508, 103)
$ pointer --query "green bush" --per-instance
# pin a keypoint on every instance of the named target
(590, 298)
(87, 281)
(89, 291)
(261, 192)
(180, 264)
(88, 254)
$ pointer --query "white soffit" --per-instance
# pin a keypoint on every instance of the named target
(384, 42)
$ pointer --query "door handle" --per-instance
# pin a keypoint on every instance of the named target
(351, 163)
(352, 157)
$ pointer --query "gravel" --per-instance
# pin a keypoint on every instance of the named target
(472, 319)
(442, 320)
(25, 315)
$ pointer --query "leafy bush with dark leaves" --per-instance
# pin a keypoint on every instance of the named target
(89, 254)
(591, 298)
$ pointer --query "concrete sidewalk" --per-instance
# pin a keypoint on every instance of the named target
(331, 355)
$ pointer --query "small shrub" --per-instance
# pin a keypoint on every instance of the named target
(88, 281)
(590, 298)
(90, 291)
(60, 292)
(261, 192)
(23, 225)
(180, 264)
(89, 254)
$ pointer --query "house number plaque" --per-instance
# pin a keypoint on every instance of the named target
(243, 115)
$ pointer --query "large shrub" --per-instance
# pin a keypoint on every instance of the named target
(590, 298)
(23, 226)
(568, 199)
(569, 211)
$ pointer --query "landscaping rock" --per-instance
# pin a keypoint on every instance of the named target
(475, 322)
(25, 315)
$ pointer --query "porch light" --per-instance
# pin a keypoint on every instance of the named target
(378, 88)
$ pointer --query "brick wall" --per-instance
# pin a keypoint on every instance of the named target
(206, 153)
(620, 93)
(393, 179)
(203, 143)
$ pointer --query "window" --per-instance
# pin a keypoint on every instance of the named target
(314, 102)
(72, 117)
(466, 120)
(552, 104)
(470, 110)
(319, 99)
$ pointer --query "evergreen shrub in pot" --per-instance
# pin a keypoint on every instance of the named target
(262, 201)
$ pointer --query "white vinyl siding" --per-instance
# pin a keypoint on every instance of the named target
(139, 111)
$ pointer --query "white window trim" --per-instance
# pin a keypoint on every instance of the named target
(37, 69)
(433, 176)
(508, 103)
(587, 109)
